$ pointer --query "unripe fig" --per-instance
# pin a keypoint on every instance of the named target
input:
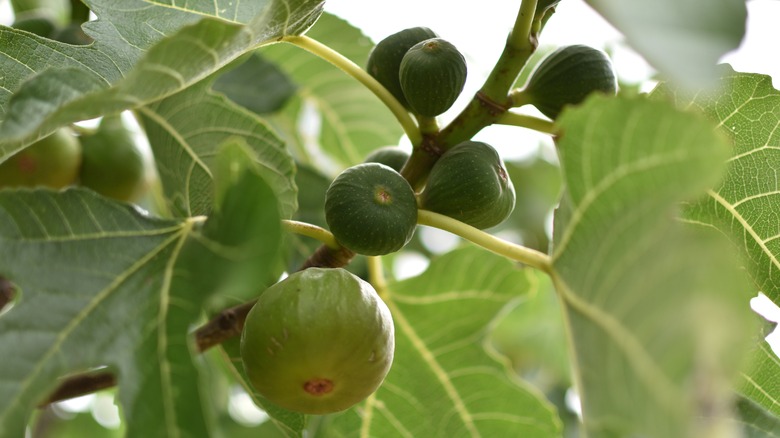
(318, 342)
(567, 76)
(470, 183)
(391, 156)
(113, 164)
(433, 73)
(371, 209)
(384, 61)
(52, 162)
(38, 24)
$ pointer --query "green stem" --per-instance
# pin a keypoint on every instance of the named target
(313, 231)
(518, 253)
(530, 122)
(321, 50)
(376, 275)
(492, 100)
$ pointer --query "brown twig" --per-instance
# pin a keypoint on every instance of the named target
(225, 325)
(7, 292)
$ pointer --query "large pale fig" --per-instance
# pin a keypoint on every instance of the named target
(318, 342)
(470, 183)
(371, 209)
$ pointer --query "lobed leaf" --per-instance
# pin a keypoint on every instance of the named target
(443, 382)
(657, 312)
(104, 285)
(354, 121)
(142, 53)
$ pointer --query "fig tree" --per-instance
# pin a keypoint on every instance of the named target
(432, 74)
(567, 76)
(384, 61)
(391, 156)
(52, 162)
(318, 342)
(371, 209)
(114, 165)
(470, 183)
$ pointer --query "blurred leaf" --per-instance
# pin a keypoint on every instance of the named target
(532, 336)
(682, 39)
(537, 186)
(56, 10)
(141, 53)
(354, 121)
(184, 135)
(443, 382)
(257, 85)
(104, 285)
(657, 312)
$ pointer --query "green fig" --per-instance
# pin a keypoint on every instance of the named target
(391, 156)
(567, 76)
(371, 209)
(471, 184)
(114, 165)
(318, 342)
(432, 74)
(384, 61)
(51, 162)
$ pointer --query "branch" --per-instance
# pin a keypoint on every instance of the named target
(225, 325)
(530, 122)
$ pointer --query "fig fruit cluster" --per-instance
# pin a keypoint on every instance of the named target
(317, 342)
(108, 161)
(425, 73)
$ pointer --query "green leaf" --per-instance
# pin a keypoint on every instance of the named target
(657, 311)
(755, 421)
(761, 380)
(682, 39)
(745, 109)
(185, 135)
(354, 121)
(443, 382)
(103, 285)
(51, 84)
(257, 84)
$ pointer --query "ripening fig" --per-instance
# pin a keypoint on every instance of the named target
(433, 73)
(114, 165)
(371, 209)
(567, 76)
(318, 342)
(51, 162)
(470, 183)
(384, 61)
(391, 156)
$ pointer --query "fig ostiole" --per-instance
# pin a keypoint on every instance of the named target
(567, 76)
(317, 342)
(371, 209)
(384, 61)
(471, 184)
(53, 162)
(432, 74)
